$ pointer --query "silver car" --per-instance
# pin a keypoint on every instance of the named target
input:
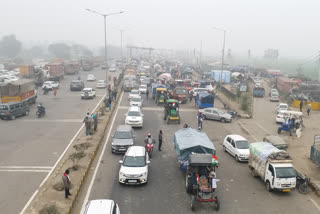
(216, 114)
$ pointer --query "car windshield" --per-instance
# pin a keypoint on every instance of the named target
(4, 107)
(275, 94)
(87, 90)
(242, 144)
(283, 106)
(100, 81)
(134, 92)
(134, 161)
(75, 81)
(134, 114)
(136, 99)
(122, 135)
(285, 172)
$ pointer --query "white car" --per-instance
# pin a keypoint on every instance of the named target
(134, 166)
(101, 206)
(195, 91)
(136, 101)
(101, 84)
(143, 89)
(282, 107)
(134, 117)
(274, 97)
(88, 93)
(91, 77)
(237, 146)
(50, 85)
(112, 69)
(283, 114)
(134, 93)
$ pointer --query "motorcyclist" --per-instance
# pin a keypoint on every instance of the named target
(149, 139)
(41, 109)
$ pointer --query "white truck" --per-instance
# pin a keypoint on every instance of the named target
(273, 166)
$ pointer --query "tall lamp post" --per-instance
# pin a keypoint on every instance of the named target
(223, 47)
(105, 37)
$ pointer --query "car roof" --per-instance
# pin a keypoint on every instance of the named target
(236, 137)
(136, 151)
(136, 96)
(134, 108)
(87, 89)
(134, 90)
(124, 128)
(99, 206)
(280, 104)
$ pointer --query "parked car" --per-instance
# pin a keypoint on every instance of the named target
(274, 97)
(91, 77)
(13, 109)
(136, 101)
(76, 85)
(101, 206)
(237, 146)
(274, 90)
(216, 114)
(282, 107)
(134, 117)
(143, 89)
(122, 139)
(133, 93)
(88, 93)
(101, 84)
(134, 166)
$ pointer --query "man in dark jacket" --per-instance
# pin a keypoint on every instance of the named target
(66, 183)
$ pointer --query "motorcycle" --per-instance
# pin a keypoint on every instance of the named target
(149, 146)
(41, 113)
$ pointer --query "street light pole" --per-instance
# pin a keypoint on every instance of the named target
(105, 37)
(223, 48)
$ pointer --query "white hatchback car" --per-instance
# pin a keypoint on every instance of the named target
(282, 107)
(237, 146)
(101, 84)
(101, 206)
(88, 93)
(50, 85)
(91, 77)
(134, 117)
(136, 101)
(134, 93)
(143, 89)
(134, 166)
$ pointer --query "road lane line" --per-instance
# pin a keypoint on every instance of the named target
(100, 158)
(160, 109)
(315, 203)
(24, 170)
(263, 128)
(25, 167)
(57, 162)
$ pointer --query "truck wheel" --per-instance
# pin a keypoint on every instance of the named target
(217, 204)
(188, 184)
(268, 186)
(279, 130)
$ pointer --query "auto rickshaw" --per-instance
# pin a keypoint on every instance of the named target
(160, 95)
(171, 111)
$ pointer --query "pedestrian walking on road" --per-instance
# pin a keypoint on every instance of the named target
(309, 108)
(87, 123)
(115, 94)
(55, 91)
(109, 103)
(160, 140)
(301, 105)
(95, 122)
(200, 120)
(147, 93)
(191, 96)
(66, 183)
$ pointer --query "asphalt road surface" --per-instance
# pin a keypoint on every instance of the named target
(237, 191)
(30, 146)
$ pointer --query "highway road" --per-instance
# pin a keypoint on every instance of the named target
(30, 146)
(238, 191)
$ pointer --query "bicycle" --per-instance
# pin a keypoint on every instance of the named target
(303, 183)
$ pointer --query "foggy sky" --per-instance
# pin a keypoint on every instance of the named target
(288, 25)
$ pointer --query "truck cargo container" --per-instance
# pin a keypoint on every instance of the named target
(20, 90)
(55, 71)
(26, 71)
(273, 166)
(71, 68)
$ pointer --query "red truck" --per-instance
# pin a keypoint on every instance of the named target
(17, 91)
(55, 71)
(71, 67)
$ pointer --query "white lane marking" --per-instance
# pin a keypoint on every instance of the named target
(263, 128)
(247, 131)
(24, 170)
(25, 167)
(99, 161)
(57, 162)
(315, 204)
(160, 109)
(54, 120)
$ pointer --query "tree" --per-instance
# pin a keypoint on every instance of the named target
(80, 50)
(60, 50)
(10, 46)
